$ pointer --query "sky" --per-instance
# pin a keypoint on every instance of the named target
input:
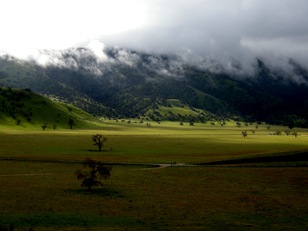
(216, 29)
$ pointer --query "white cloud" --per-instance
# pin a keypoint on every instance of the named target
(33, 24)
(98, 49)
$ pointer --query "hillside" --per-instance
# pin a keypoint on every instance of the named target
(175, 110)
(127, 83)
(24, 108)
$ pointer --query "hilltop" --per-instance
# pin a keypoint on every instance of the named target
(24, 108)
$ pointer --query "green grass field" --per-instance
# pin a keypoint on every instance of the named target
(39, 189)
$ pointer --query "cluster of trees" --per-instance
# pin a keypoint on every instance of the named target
(70, 124)
(278, 133)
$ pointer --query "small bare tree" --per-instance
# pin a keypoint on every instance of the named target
(99, 140)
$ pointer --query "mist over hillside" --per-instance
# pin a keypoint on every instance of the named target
(113, 81)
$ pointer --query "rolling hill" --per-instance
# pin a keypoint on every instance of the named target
(23, 108)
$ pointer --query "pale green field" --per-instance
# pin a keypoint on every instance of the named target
(160, 143)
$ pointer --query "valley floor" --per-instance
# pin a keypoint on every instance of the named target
(165, 177)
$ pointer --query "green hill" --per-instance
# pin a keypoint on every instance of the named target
(175, 110)
(27, 109)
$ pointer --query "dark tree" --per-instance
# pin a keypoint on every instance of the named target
(71, 123)
(244, 133)
(96, 171)
(44, 126)
(291, 125)
(99, 140)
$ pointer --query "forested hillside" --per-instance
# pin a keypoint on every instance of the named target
(127, 83)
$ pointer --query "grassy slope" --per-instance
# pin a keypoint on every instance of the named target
(33, 110)
(178, 111)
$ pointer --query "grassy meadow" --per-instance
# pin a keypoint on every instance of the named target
(145, 192)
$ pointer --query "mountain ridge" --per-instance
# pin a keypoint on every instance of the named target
(126, 83)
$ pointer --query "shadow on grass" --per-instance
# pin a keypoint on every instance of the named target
(104, 150)
(300, 157)
(58, 221)
(101, 192)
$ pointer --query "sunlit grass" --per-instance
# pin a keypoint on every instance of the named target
(136, 143)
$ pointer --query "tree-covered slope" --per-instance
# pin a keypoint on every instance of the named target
(127, 83)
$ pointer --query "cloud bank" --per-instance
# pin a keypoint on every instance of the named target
(214, 33)
(217, 29)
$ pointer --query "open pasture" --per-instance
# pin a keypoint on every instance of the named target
(39, 189)
(160, 143)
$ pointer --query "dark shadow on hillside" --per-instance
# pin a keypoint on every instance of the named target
(301, 157)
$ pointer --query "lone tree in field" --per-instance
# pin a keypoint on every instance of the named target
(244, 133)
(96, 172)
(99, 140)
